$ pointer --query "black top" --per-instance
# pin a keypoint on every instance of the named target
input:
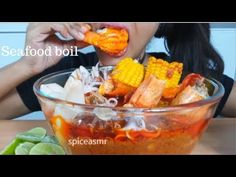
(28, 97)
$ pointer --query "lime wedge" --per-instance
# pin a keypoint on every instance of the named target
(24, 148)
(10, 149)
(33, 135)
(50, 139)
(47, 149)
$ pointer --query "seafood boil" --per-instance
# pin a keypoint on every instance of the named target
(129, 84)
(116, 103)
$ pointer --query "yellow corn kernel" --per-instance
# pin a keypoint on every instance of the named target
(170, 72)
(128, 71)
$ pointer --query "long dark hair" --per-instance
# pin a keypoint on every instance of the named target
(190, 43)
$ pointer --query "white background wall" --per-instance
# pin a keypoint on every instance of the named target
(223, 36)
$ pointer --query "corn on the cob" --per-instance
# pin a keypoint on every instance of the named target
(170, 72)
(128, 71)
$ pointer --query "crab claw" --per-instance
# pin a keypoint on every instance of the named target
(111, 40)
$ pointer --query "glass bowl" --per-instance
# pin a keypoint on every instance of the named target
(90, 129)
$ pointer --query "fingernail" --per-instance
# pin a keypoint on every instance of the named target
(67, 35)
(83, 29)
(88, 26)
(80, 35)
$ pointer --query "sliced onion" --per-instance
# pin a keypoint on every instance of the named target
(112, 102)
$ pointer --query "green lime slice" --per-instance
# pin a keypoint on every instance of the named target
(33, 135)
(47, 149)
(10, 148)
(24, 148)
(50, 139)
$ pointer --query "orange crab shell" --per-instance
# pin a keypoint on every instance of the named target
(170, 93)
(112, 41)
(115, 88)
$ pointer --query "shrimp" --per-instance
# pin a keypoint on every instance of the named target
(149, 93)
(192, 89)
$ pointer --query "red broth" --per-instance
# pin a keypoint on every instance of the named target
(111, 139)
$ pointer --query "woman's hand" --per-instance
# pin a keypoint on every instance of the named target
(39, 36)
(42, 36)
